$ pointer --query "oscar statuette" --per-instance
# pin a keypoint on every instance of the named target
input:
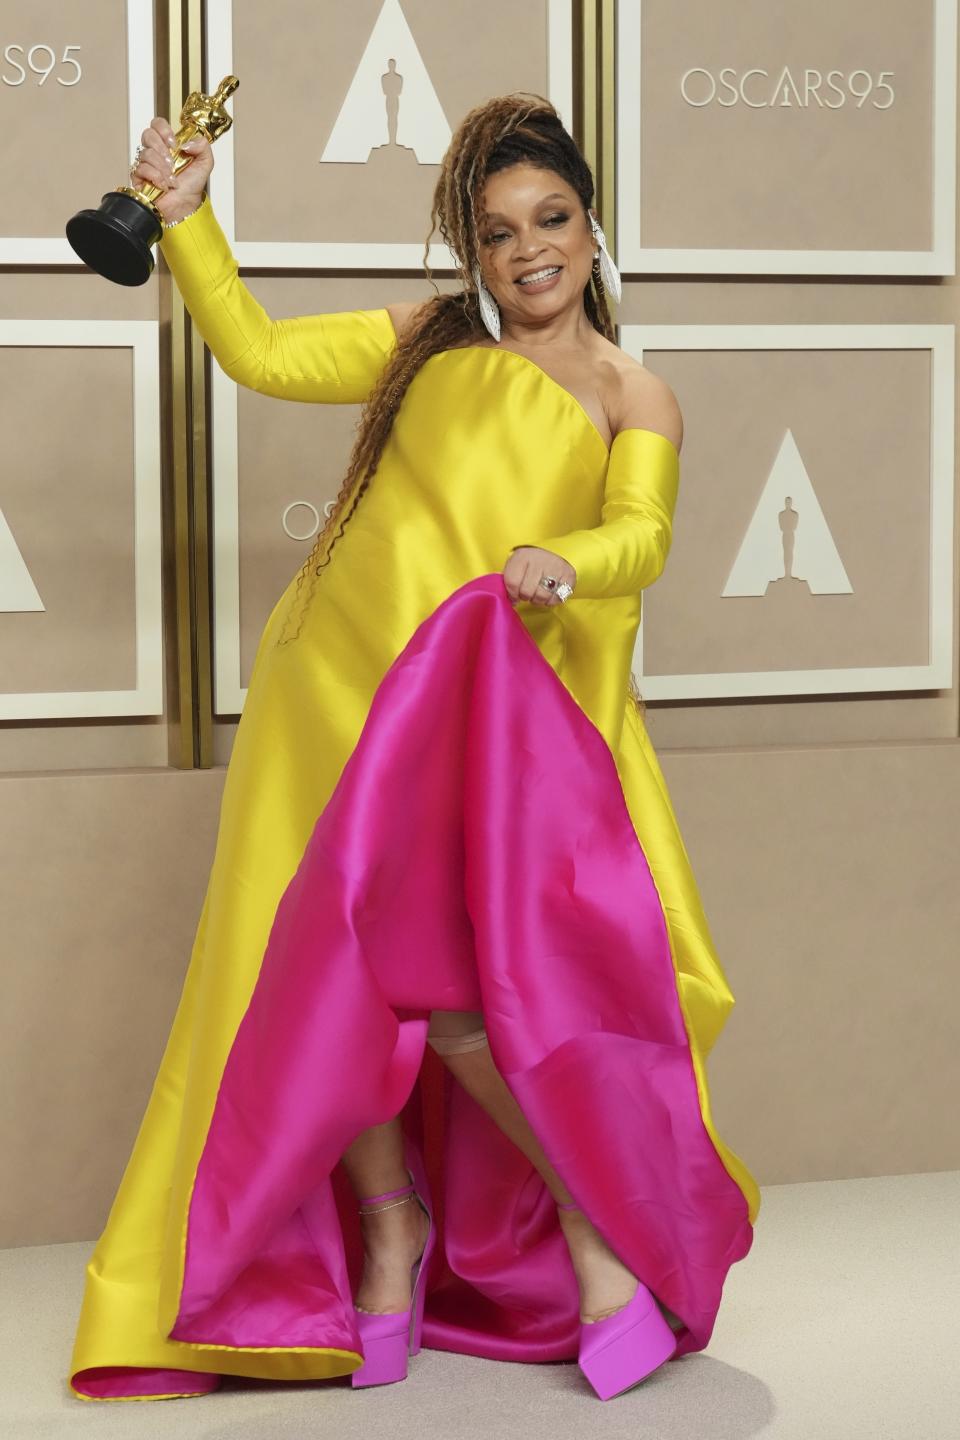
(115, 239)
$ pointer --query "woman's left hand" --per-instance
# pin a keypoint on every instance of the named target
(523, 571)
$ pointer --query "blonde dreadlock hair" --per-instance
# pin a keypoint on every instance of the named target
(520, 128)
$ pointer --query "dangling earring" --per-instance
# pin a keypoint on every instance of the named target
(489, 309)
(609, 273)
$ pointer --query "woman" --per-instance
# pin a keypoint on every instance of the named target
(444, 833)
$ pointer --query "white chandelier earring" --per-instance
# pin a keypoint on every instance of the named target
(489, 309)
(609, 273)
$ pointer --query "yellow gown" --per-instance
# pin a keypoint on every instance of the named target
(487, 452)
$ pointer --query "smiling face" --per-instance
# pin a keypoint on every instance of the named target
(534, 221)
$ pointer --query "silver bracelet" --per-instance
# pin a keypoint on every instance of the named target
(174, 223)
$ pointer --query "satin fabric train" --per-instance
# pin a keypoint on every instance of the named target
(477, 853)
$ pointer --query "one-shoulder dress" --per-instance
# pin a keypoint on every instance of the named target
(435, 800)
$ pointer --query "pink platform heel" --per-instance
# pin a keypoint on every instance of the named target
(624, 1348)
(388, 1339)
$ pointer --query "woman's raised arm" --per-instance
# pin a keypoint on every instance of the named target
(332, 358)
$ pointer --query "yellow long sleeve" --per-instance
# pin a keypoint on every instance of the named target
(331, 359)
(627, 551)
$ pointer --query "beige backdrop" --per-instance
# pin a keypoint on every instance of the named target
(387, 196)
(861, 422)
(787, 176)
(84, 638)
(64, 144)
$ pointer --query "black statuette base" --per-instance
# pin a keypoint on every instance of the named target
(115, 239)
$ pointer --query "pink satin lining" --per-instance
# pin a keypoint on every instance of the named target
(476, 854)
(121, 1382)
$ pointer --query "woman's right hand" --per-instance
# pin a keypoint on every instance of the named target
(182, 192)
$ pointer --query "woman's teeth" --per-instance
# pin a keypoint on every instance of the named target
(539, 275)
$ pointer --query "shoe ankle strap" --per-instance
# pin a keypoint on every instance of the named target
(405, 1191)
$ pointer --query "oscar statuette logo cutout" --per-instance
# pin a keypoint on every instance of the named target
(115, 239)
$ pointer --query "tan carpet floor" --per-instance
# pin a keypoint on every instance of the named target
(843, 1322)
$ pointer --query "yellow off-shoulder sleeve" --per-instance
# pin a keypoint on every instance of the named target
(628, 549)
(333, 359)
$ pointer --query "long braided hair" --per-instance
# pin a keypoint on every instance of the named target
(508, 130)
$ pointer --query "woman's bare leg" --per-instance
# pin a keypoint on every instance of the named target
(395, 1237)
(392, 1238)
(606, 1284)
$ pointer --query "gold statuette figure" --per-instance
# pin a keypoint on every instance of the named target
(115, 239)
